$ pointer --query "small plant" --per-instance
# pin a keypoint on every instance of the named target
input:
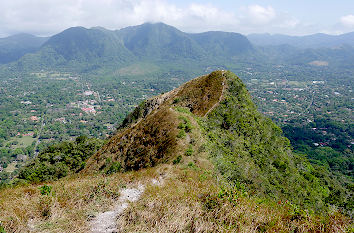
(189, 151)
(176, 101)
(181, 133)
(45, 190)
(115, 167)
(2, 229)
(177, 160)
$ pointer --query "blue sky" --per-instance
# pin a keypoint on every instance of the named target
(294, 17)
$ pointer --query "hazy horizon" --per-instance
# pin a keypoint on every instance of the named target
(45, 18)
(272, 34)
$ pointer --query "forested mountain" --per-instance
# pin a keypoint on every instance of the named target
(160, 41)
(14, 47)
(100, 50)
(82, 49)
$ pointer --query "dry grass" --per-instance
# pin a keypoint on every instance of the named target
(202, 93)
(189, 202)
(146, 144)
(154, 140)
(70, 206)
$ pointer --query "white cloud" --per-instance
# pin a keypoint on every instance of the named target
(47, 17)
(259, 15)
(347, 20)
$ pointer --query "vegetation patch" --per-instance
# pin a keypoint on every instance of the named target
(177, 160)
(188, 204)
(60, 160)
(249, 148)
(189, 151)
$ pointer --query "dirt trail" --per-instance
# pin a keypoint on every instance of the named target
(106, 222)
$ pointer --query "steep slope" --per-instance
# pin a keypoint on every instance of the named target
(211, 163)
(83, 44)
(160, 41)
(14, 47)
(150, 135)
(246, 147)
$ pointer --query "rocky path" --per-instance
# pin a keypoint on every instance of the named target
(106, 222)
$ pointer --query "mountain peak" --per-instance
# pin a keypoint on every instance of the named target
(212, 113)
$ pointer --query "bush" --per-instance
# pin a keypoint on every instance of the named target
(45, 189)
(189, 151)
(114, 167)
(2, 229)
(177, 160)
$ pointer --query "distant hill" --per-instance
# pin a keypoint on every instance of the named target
(83, 49)
(160, 41)
(319, 40)
(162, 47)
(14, 47)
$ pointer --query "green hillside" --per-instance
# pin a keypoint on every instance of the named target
(246, 147)
(203, 157)
(97, 49)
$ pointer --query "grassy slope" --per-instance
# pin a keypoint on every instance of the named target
(196, 196)
(193, 198)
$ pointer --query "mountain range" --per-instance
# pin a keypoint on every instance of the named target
(97, 49)
(75, 47)
(318, 40)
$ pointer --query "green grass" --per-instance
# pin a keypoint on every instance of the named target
(25, 141)
(22, 142)
(138, 69)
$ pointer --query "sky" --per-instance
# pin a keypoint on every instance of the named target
(292, 17)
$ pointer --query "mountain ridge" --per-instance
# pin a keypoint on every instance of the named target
(14, 47)
(75, 47)
(317, 40)
(205, 158)
(215, 113)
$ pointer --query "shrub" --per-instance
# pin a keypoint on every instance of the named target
(114, 167)
(2, 229)
(181, 133)
(45, 189)
(189, 151)
(177, 100)
(177, 160)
